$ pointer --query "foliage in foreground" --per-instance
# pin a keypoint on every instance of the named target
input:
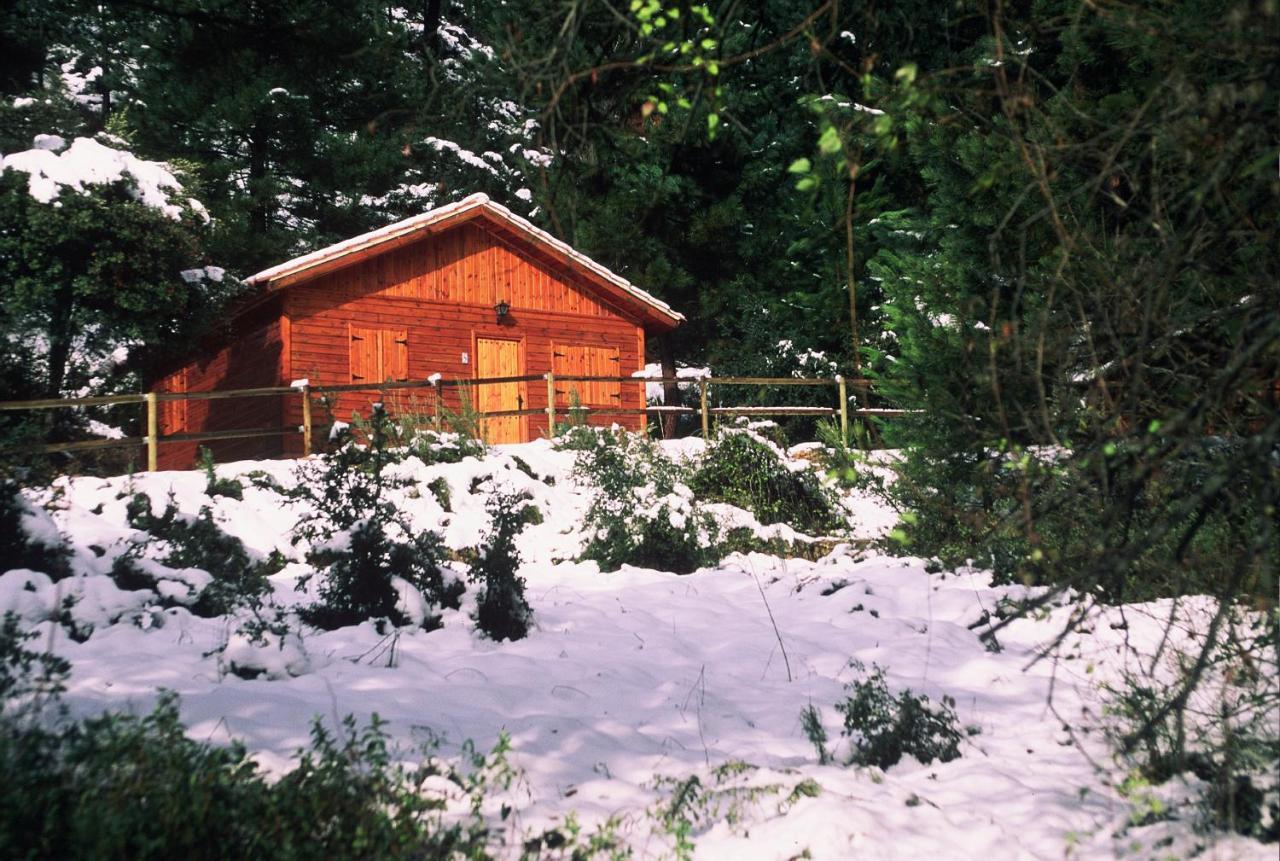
(122, 786)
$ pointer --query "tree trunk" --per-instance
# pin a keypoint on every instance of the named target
(432, 14)
(670, 391)
(60, 338)
(260, 211)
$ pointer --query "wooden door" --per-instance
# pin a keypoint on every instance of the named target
(496, 357)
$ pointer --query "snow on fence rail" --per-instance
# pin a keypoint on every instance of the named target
(306, 392)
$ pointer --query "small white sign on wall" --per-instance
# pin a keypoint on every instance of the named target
(465, 358)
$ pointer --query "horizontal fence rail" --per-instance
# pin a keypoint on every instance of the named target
(306, 392)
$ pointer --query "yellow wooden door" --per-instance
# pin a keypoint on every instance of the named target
(499, 358)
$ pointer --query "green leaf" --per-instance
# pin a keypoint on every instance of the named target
(807, 183)
(907, 74)
(830, 142)
(800, 165)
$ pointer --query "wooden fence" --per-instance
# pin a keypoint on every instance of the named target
(306, 393)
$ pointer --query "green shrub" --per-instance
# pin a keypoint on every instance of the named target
(20, 549)
(359, 539)
(214, 486)
(641, 512)
(120, 786)
(884, 728)
(745, 470)
(501, 609)
(359, 581)
(198, 543)
(432, 447)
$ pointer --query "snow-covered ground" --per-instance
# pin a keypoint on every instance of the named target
(631, 680)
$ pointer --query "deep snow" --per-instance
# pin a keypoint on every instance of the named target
(632, 677)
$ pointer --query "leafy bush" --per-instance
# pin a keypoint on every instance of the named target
(214, 486)
(641, 512)
(432, 447)
(18, 547)
(198, 543)
(359, 539)
(502, 611)
(120, 786)
(743, 469)
(884, 728)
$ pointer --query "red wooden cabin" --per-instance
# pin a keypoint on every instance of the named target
(410, 300)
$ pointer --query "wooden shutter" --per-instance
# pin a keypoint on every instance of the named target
(395, 354)
(569, 361)
(604, 362)
(366, 365)
(578, 360)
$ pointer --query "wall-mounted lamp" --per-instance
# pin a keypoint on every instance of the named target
(502, 309)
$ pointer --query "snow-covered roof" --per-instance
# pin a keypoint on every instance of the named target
(324, 259)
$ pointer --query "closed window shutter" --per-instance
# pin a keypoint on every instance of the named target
(583, 361)
(366, 365)
(395, 354)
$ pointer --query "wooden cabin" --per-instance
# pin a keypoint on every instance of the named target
(469, 290)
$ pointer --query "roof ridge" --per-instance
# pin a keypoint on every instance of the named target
(479, 200)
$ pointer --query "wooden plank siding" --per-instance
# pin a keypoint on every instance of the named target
(441, 293)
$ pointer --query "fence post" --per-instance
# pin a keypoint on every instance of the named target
(844, 409)
(706, 421)
(306, 421)
(551, 405)
(435, 386)
(153, 433)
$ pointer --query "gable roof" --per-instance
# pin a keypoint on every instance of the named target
(478, 206)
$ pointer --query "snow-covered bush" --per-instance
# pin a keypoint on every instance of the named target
(642, 512)
(1226, 738)
(28, 537)
(373, 564)
(884, 728)
(195, 542)
(746, 470)
(22, 671)
(584, 438)
(432, 447)
(501, 609)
